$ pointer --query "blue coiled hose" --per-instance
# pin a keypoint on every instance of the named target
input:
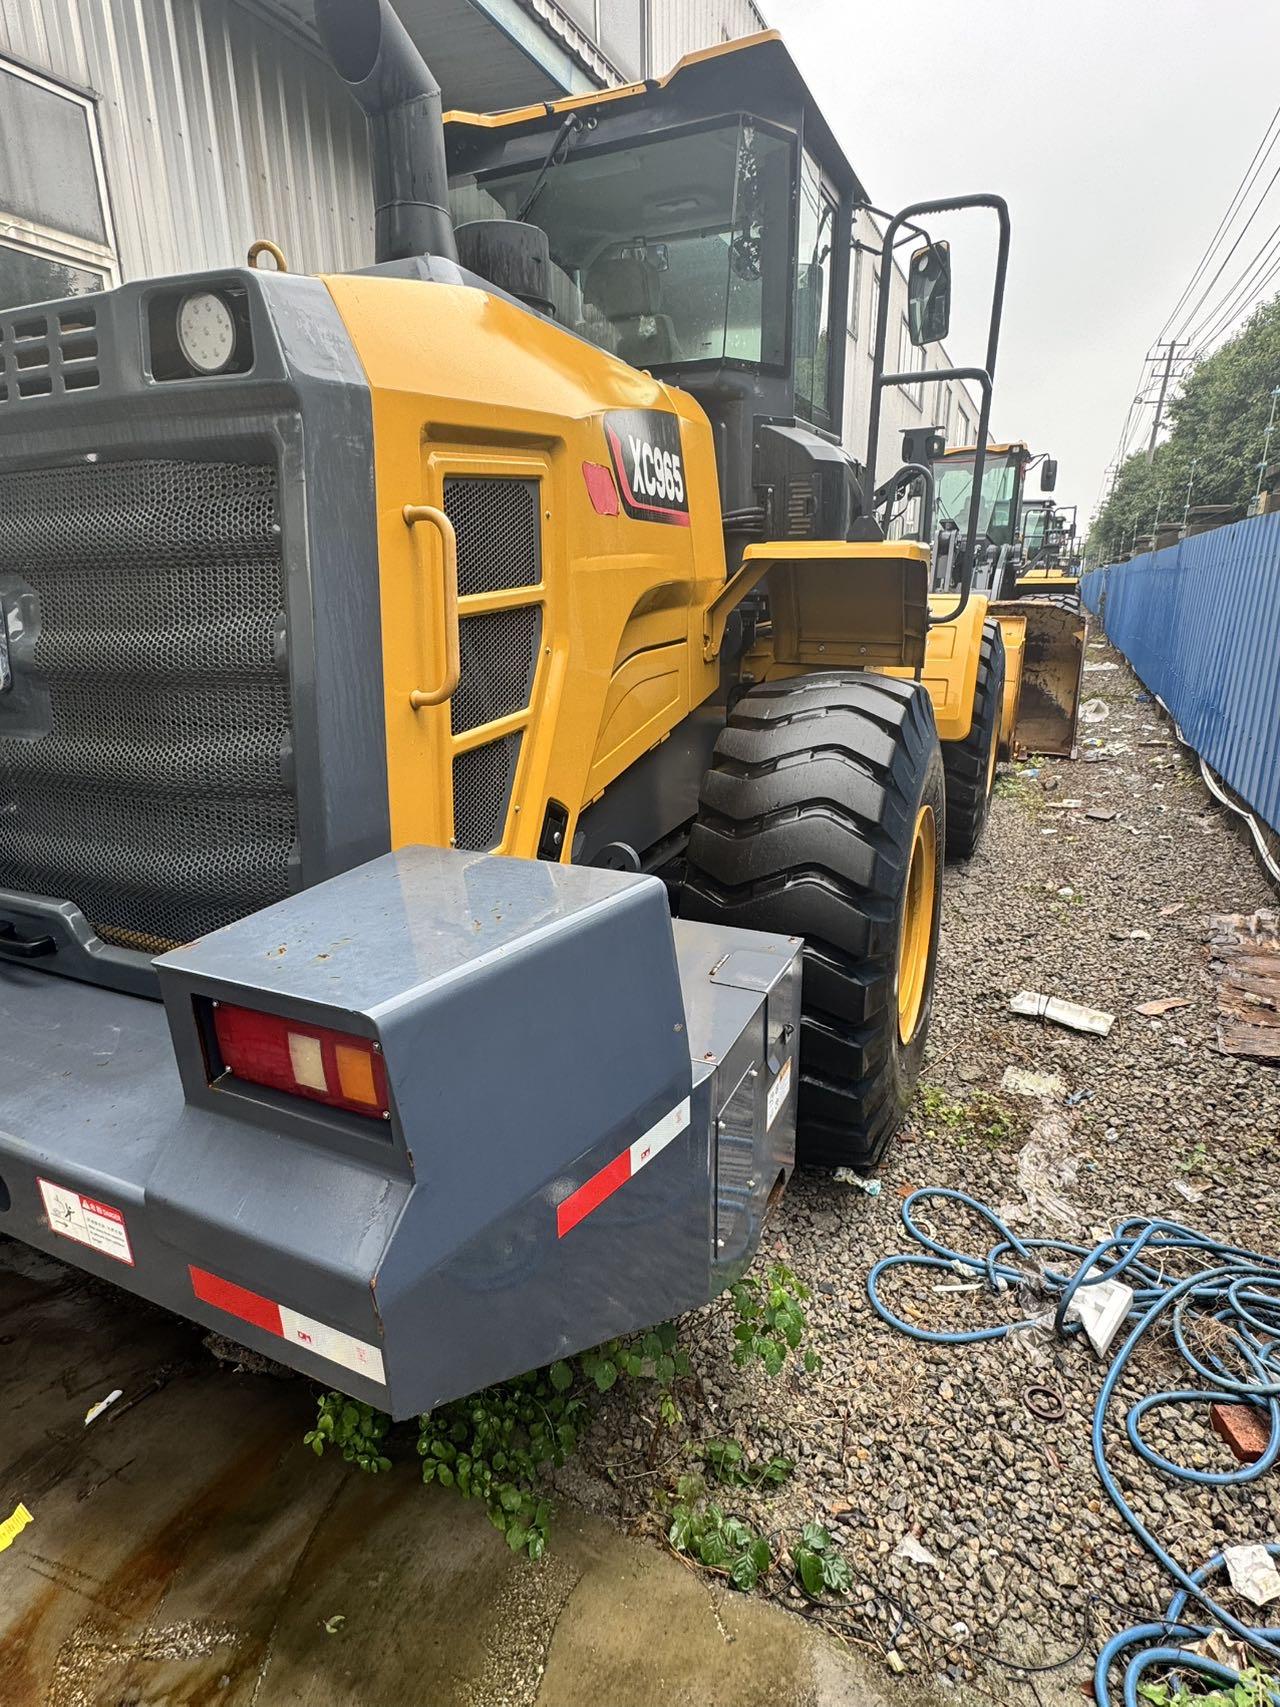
(1238, 1289)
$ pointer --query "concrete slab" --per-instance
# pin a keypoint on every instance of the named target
(188, 1551)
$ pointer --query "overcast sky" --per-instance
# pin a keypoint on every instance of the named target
(1116, 129)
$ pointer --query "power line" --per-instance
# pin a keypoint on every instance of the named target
(1237, 295)
(1246, 287)
(1242, 190)
(1230, 252)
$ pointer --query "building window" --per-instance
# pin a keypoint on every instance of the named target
(818, 212)
(55, 227)
(616, 27)
(855, 294)
(910, 360)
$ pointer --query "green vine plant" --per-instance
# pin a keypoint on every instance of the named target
(820, 1569)
(498, 1445)
(1256, 1688)
(356, 1430)
(727, 1463)
(722, 1543)
(771, 1320)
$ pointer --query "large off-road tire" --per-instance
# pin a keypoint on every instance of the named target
(823, 816)
(970, 765)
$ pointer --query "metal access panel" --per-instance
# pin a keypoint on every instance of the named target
(557, 1057)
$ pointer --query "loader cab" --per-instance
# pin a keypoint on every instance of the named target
(698, 227)
(1000, 505)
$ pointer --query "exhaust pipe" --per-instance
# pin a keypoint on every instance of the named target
(372, 52)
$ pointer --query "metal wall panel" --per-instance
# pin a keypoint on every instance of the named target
(1200, 623)
(218, 126)
(677, 27)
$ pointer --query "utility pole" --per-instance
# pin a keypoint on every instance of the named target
(1266, 443)
(1172, 347)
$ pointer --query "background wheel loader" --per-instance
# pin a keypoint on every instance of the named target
(1034, 604)
(391, 655)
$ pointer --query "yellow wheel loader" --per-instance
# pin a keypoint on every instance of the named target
(426, 935)
(1034, 605)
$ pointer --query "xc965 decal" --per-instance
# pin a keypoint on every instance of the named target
(649, 464)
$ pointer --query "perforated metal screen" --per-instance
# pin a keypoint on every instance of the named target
(142, 772)
(497, 520)
(499, 539)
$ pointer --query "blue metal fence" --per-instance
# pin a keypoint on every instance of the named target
(1200, 623)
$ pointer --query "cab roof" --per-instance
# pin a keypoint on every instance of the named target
(992, 450)
(713, 80)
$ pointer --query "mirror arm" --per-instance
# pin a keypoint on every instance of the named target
(893, 485)
(983, 377)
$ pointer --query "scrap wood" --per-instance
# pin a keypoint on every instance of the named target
(1245, 951)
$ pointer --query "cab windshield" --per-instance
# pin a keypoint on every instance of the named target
(996, 506)
(675, 250)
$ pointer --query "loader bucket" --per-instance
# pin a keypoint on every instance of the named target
(1013, 631)
(1049, 702)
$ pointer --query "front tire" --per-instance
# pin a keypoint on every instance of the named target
(823, 816)
(970, 765)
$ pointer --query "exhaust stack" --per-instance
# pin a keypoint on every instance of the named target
(373, 54)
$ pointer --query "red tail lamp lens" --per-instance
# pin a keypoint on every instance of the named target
(331, 1067)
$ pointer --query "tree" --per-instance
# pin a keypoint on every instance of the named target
(1219, 418)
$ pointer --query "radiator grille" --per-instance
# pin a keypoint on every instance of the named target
(149, 605)
(498, 652)
(499, 540)
(482, 783)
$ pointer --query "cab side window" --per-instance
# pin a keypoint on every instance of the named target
(817, 231)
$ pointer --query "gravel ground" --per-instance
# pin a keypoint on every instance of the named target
(890, 1438)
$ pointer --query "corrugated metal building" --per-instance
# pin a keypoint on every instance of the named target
(144, 137)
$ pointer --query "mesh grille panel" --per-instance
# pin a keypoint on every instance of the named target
(482, 781)
(498, 652)
(499, 539)
(152, 791)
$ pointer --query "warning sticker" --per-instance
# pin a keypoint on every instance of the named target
(86, 1221)
(778, 1094)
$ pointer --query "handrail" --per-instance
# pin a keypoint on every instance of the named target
(413, 514)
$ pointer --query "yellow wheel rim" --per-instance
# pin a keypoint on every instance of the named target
(916, 941)
(991, 762)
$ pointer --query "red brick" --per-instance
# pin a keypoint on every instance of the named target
(1244, 1429)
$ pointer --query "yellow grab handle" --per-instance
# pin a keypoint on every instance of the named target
(413, 514)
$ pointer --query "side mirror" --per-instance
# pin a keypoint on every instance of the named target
(1048, 474)
(929, 294)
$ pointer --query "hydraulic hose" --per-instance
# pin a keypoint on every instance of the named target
(1237, 1289)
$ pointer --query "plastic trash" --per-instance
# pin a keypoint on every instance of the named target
(910, 1548)
(1094, 711)
(13, 1526)
(1047, 1167)
(1101, 1308)
(95, 1411)
(1074, 1015)
(847, 1176)
(1253, 1574)
(1022, 1083)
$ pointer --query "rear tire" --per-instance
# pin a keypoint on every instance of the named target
(816, 819)
(970, 765)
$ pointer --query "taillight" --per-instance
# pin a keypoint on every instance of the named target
(313, 1061)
